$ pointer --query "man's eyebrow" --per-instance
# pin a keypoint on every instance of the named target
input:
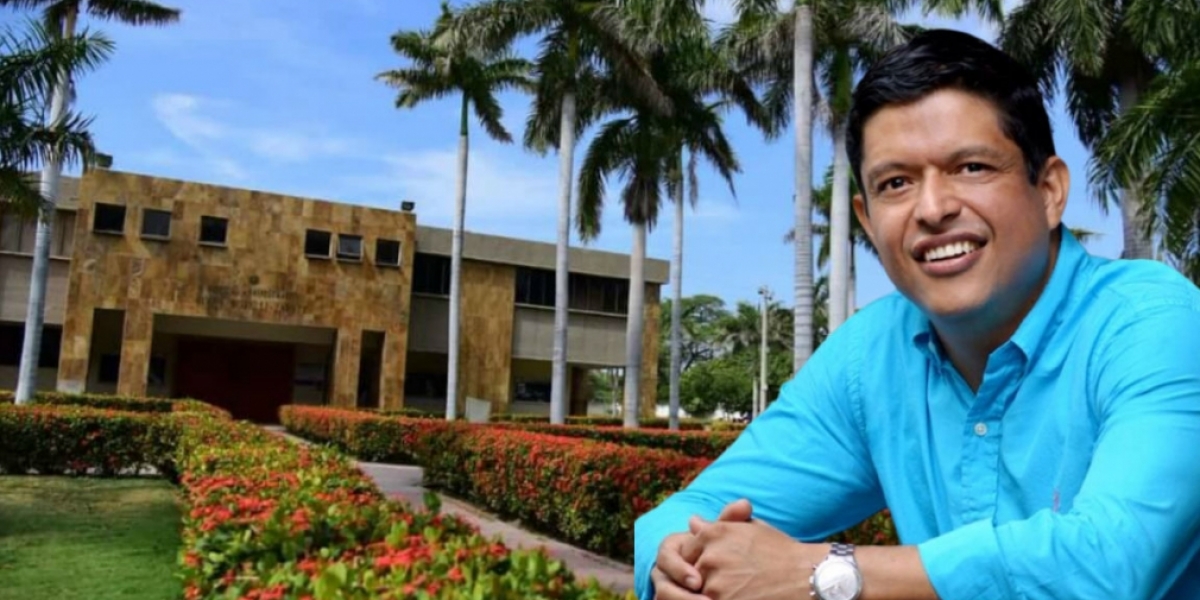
(959, 155)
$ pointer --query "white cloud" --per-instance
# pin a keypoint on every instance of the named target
(719, 12)
(200, 124)
(499, 190)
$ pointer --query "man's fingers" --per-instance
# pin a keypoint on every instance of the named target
(695, 524)
(738, 510)
(675, 565)
(666, 589)
(690, 552)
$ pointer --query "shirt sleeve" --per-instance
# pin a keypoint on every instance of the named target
(803, 463)
(1133, 526)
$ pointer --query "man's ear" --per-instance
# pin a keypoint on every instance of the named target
(864, 217)
(1054, 185)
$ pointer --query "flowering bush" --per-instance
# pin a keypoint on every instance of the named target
(701, 444)
(109, 401)
(652, 423)
(267, 519)
(369, 436)
(76, 440)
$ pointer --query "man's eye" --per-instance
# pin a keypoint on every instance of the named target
(975, 167)
(890, 184)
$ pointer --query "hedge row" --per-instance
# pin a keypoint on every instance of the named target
(76, 440)
(117, 402)
(700, 444)
(585, 493)
(652, 423)
(267, 519)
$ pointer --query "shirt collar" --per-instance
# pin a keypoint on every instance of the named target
(1039, 325)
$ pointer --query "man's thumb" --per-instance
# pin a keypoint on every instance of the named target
(739, 510)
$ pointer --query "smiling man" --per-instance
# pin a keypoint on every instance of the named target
(1029, 413)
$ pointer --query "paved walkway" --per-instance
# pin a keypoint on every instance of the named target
(406, 482)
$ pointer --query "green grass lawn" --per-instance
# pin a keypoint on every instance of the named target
(88, 539)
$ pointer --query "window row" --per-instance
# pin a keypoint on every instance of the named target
(535, 287)
(19, 235)
(214, 231)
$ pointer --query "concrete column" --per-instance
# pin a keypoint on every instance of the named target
(136, 339)
(649, 384)
(76, 350)
(392, 369)
(347, 355)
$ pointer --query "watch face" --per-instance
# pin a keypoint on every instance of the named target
(837, 580)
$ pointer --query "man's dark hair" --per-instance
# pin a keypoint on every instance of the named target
(944, 59)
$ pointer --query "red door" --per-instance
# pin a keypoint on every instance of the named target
(251, 380)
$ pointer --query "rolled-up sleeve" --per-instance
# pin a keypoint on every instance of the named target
(803, 463)
(1132, 528)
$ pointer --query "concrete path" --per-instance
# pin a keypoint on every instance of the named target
(405, 482)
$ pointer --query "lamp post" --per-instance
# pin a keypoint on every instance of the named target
(765, 294)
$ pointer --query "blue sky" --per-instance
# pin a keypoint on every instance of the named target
(280, 95)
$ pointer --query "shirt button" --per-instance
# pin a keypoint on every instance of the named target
(981, 429)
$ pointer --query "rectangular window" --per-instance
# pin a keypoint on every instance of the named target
(387, 253)
(535, 286)
(64, 234)
(599, 294)
(108, 218)
(110, 368)
(156, 223)
(11, 335)
(431, 274)
(214, 230)
(316, 243)
(12, 232)
(349, 247)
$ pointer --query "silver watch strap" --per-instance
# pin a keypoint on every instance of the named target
(843, 550)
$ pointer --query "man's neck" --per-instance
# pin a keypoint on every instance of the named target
(969, 341)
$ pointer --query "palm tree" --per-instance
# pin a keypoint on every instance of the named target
(1108, 58)
(854, 34)
(60, 17)
(438, 70)
(30, 63)
(1154, 147)
(777, 49)
(577, 41)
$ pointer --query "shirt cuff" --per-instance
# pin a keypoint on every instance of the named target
(965, 564)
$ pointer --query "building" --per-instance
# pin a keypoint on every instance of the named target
(251, 300)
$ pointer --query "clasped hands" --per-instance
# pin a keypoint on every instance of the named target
(734, 558)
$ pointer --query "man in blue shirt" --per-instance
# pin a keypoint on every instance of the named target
(1029, 413)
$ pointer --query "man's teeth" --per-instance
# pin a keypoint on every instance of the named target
(951, 250)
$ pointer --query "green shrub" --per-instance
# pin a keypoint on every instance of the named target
(597, 421)
(75, 440)
(700, 444)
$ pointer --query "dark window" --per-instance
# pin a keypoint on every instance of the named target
(108, 218)
(387, 252)
(532, 391)
(424, 385)
(599, 294)
(156, 223)
(110, 368)
(535, 286)
(12, 336)
(157, 374)
(431, 274)
(349, 247)
(213, 230)
(316, 243)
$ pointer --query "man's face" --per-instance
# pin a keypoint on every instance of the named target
(959, 228)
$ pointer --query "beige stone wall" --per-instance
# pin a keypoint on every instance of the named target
(485, 361)
(260, 274)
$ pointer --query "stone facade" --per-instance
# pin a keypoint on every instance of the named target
(261, 273)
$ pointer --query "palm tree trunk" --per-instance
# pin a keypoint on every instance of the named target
(566, 162)
(633, 327)
(676, 306)
(802, 55)
(51, 172)
(1137, 240)
(852, 285)
(839, 230)
(460, 208)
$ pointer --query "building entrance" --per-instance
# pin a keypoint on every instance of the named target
(251, 380)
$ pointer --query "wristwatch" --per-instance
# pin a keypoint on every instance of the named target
(837, 577)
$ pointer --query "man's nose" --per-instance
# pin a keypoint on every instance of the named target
(937, 202)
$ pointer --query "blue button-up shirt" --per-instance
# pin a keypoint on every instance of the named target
(1073, 471)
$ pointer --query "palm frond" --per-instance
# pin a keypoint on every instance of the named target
(604, 156)
(133, 12)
